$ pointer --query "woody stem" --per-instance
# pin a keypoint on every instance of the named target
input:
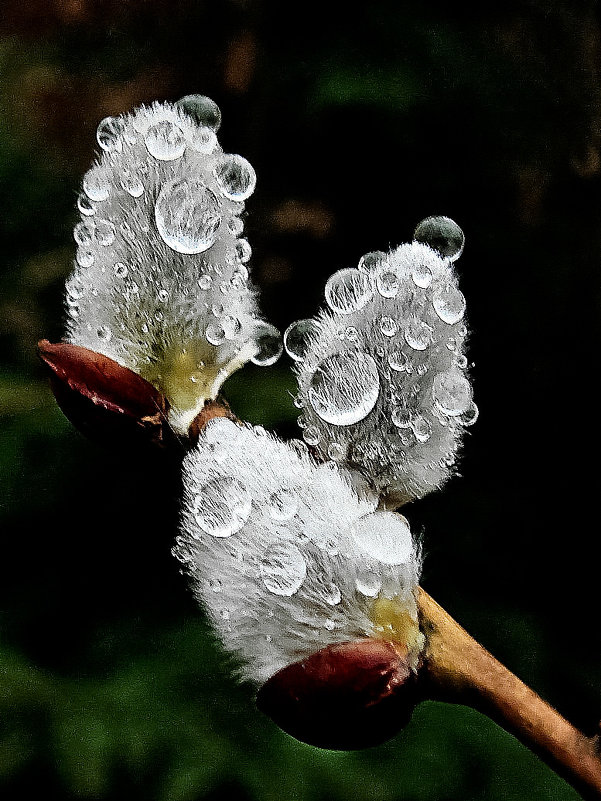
(457, 669)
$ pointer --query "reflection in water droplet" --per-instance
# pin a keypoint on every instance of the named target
(283, 569)
(235, 177)
(165, 141)
(384, 536)
(222, 507)
(298, 336)
(441, 234)
(345, 388)
(187, 215)
(348, 291)
(417, 334)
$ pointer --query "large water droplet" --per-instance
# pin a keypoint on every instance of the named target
(441, 234)
(384, 536)
(222, 507)
(269, 344)
(165, 141)
(235, 177)
(187, 215)
(345, 388)
(109, 134)
(202, 109)
(449, 304)
(283, 569)
(348, 291)
(298, 336)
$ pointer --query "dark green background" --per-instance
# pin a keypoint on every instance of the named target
(359, 122)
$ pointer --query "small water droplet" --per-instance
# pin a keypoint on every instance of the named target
(83, 233)
(398, 361)
(368, 583)
(202, 109)
(449, 304)
(214, 585)
(235, 226)
(452, 392)
(235, 177)
(214, 333)
(336, 451)
(96, 185)
(105, 232)
(85, 258)
(441, 234)
(203, 140)
(401, 417)
(132, 185)
(421, 427)
(372, 262)
(104, 333)
(329, 624)
(120, 269)
(421, 275)
(311, 434)
(388, 283)
(205, 282)
(165, 141)
(348, 291)
(85, 205)
(331, 593)
(469, 417)
(243, 250)
(298, 336)
(417, 334)
(222, 507)
(388, 326)
(345, 388)
(283, 569)
(187, 215)
(109, 134)
(269, 344)
(283, 504)
(384, 536)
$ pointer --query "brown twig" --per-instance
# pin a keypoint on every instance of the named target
(457, 669)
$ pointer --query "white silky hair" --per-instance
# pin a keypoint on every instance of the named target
(383, 380)
(160, 273)
(286, 554)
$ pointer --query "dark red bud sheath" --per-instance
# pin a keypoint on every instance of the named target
(103, 399)
(348, 696)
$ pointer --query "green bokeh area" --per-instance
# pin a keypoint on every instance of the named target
(359, 123)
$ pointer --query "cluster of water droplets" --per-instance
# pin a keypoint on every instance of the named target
(161, 261)
(286, 554)
(382, 372)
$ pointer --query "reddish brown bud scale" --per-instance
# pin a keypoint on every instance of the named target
(211, 410)
(102, 398)
(346, 696)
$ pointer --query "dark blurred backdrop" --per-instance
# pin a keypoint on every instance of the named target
(360, 121)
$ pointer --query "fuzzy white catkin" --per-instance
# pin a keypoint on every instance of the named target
(287, 555)
(382, 376)
(160, 282)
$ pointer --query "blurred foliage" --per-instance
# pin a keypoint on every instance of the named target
(360, 121)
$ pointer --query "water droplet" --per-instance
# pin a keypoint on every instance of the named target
(452, 392)
(104, 333)
(269, 343)
(441, 234)
(388, 326)
(283, 504)
(298, 336)
(76, 291)
(105, 232)
(96, 185)
(345, 388)
(401, 417)
(348, 291)
(311, 434)
(384, 536)
(417, 334)
(85, 205)
(235, 226)
(388, 283)
(449, 304)
(203, 140)
(85, 258)
(469, 417)
(336, 451)
(398, 361)
(214, 333)
(331, 593)
(283, 569)
(187, 216)
(329, 624)
(205, 282)
(132, 185)
(83, 233)
(421, 275)
(421, 427)
(202, 109)
(165, 141)
(109, 133)
(222, 507)
(368, 583)
(214, 585)
(243, 250)
(235, 177)
(372, 262)
(217, 309)
(120, 269)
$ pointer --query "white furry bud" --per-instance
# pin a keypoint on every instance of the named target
(382, 372)
(160, 283)
(287, 555)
